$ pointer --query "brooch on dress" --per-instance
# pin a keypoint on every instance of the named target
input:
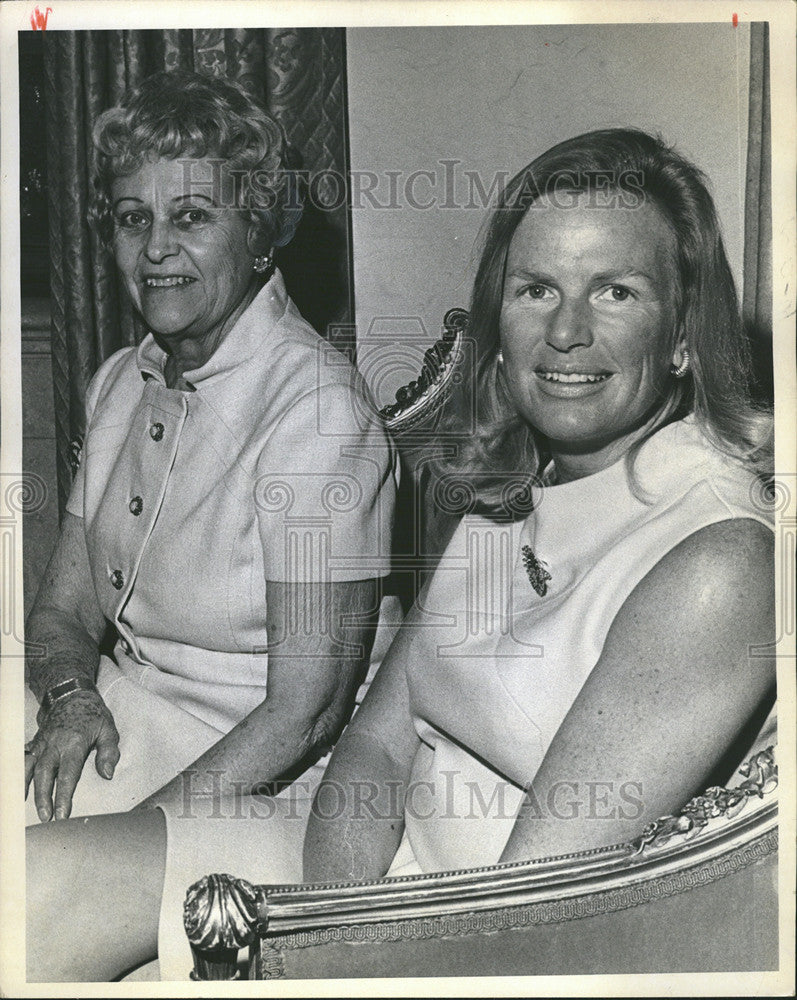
(535, 568)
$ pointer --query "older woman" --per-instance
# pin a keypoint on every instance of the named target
(234, 498)
(580, 646)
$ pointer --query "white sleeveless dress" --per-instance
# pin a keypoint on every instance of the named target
(504, 664)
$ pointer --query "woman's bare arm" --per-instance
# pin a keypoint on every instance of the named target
(67, 623)
(358, 814)
(678, 678)
(65, 617)
(320, 639)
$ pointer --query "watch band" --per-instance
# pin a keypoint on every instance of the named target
(65, 688)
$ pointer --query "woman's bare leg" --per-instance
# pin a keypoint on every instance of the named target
(94, 888)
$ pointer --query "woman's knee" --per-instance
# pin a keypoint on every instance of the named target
(94, 886)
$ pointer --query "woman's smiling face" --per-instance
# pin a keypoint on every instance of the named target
(587, 322)
(182, 251)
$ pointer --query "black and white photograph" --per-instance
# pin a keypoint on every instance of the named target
(398, 499)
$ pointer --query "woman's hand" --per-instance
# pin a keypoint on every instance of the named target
(55, 756)
(66, 623)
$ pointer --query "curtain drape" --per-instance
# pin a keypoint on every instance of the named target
(757, 290)
(300, 75)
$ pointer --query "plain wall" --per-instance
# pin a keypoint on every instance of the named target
(493, 98)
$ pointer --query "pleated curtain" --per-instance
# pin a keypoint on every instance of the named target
(300, 75)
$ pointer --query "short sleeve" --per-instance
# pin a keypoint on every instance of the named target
(74, 503)
(325, 490)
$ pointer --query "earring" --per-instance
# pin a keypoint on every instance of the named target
(263, 263)
(683, 368)
(500, 357)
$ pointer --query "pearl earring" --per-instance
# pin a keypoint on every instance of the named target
(263, 263)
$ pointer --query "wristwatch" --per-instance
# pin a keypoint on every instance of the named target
(63, 689)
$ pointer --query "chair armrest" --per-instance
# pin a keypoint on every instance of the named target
(714, 835)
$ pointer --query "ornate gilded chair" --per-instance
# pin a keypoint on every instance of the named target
(694, 892)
